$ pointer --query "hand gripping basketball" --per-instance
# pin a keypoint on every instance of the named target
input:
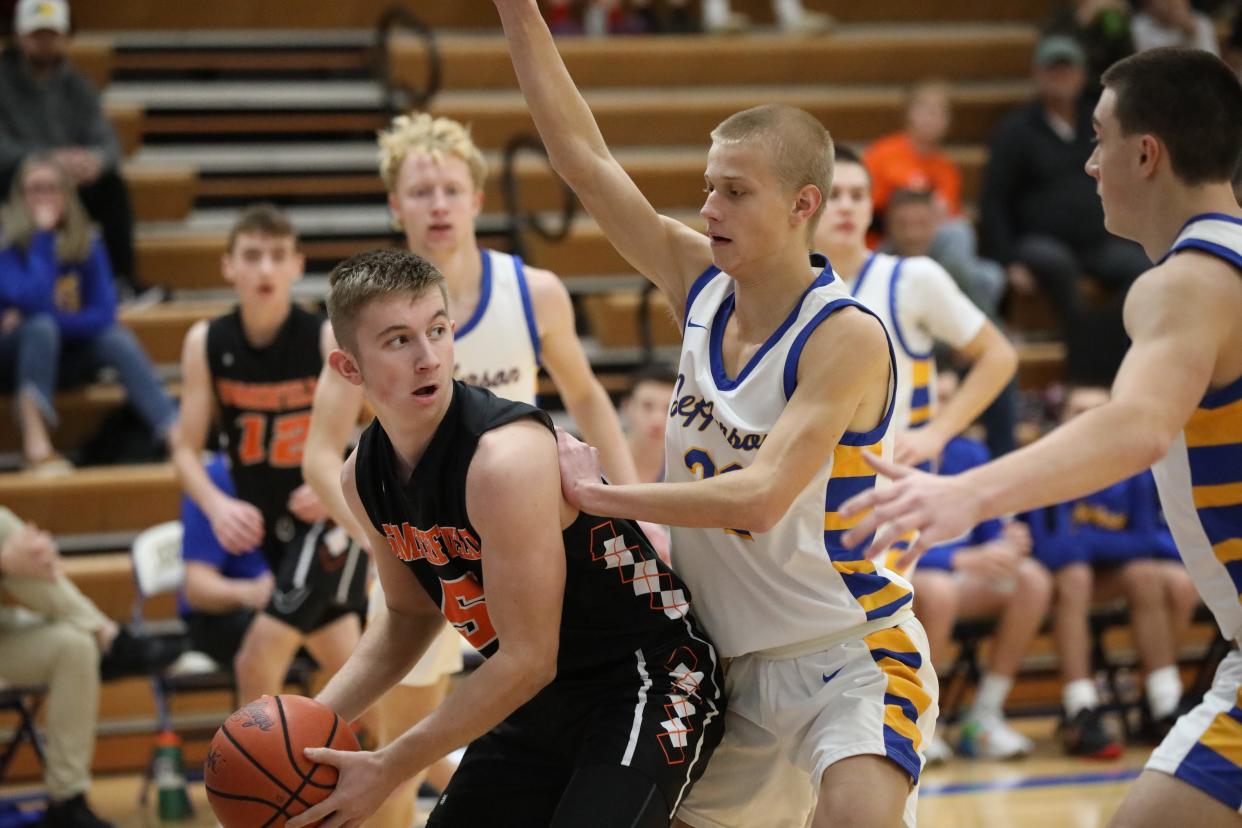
(362, 786)
(256, 773)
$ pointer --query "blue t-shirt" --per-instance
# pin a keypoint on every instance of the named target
(199, 543)
(962, 454)
(1120, 523)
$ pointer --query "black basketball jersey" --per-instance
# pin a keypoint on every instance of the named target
(265, 397)
(618, 595)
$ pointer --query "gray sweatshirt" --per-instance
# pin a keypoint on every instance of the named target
(62, 110)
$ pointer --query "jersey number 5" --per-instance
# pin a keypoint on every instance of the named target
(284, 449)
(702, 464)
(465, 606)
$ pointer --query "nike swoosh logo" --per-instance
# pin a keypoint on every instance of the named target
(828, 678)
(289, 601)
(695, 325)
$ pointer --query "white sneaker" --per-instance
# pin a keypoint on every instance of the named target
(991, 737)
(810, 23)
(937, 752)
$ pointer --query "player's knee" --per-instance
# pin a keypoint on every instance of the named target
(1073, 585)
(935, 597)
(1182, 591)
(1034, 589)
(1142, 582)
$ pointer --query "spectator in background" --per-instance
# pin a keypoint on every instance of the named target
(644, 414)
(791, 17)
(222, 591)
(1106, 546)
(58, 311)
(48, 106)
(914, 160)
(1102, 28)
(1041, 217)
(987, 574)
(60, 645)
(1173, 23)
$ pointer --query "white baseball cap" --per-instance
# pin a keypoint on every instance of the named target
(33, 15)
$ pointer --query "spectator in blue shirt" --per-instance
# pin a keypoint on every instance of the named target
(58, 323)
(986, 574)
(1113, 545)
(222, 591)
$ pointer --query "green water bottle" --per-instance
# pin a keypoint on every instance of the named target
(170, 778)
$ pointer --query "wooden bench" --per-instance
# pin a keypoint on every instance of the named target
(94, 57)
(127, 119)
(95, 500)
(472, 62)
(481, 14)
(161, 193)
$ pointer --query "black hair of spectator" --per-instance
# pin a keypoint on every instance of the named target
(900, 198)
(660, 372)
(1189, 99)
(263, 218)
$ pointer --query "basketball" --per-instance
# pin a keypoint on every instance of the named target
(255, 772)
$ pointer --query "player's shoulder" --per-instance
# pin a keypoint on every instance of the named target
(1190, 278)
(543, 283)
(850, 332)
(525, 446)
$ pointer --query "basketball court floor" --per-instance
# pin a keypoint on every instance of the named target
(1044, 790)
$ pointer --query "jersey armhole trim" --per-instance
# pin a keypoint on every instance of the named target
(695, 289)
(528, 307)
(849, 438)
(894, 279)
(485, 295)
(1232, 257)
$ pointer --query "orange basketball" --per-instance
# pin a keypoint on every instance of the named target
(256, 773)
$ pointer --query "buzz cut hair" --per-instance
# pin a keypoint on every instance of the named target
(800, 148)
(437, 138)
(375, 275)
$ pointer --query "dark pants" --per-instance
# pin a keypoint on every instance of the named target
(33, 358)
(218, 635)
(107, 201)
(1094, 333)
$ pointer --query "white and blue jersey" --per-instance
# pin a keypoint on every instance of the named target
(497, 348)
(795, 583)
(1200, 483)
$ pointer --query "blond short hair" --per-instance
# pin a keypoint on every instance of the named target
(798, 144)
(435, 137)
(376, 274)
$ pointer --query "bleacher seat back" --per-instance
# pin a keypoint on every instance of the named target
(158, 566)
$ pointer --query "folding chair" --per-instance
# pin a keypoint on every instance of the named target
(24, 701)
(160, 569)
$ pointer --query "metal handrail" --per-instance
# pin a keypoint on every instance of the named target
(521, 219)
(400, 97)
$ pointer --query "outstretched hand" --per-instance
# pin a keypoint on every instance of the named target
(363, 785)
(938, 507)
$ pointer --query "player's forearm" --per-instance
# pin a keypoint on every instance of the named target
(985, 380)
(738, 500)
(487, 697)
(561, 115)
(193, 477)
(1083, 456)
(321, 469)
(390, 646)
(597, 420)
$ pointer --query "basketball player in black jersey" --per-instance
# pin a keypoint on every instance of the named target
(600, 700)
(255, 368)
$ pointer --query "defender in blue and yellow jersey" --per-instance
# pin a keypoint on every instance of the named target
(1169, 129)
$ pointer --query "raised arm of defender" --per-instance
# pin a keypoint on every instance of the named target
(667, 252)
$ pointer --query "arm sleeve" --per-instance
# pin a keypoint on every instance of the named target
(28, 278)
(98, 311)
(933, 299)
(941, 557)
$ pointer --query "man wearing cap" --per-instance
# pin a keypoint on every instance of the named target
(46, 104)
(1041, 218)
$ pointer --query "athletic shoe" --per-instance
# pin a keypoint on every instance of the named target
(991, 737)
(1085, 735)
(73, 813)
